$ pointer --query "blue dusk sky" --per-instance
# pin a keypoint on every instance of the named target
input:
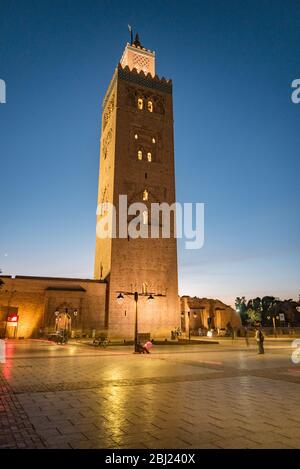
(237, 134)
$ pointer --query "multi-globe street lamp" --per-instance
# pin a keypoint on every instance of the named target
(136, 295)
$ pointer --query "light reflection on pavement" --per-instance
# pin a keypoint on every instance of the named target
(206, 396)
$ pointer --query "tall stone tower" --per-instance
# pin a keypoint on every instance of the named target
(137, 160)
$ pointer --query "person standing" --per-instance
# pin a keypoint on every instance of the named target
(259, 336)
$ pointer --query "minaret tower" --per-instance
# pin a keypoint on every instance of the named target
(137, 160)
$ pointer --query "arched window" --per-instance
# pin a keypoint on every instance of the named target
(145, 195)
(140, 155)
(140, 103)
(150, 106)
(145, 217)
(144, 287)
(136, 136)
(149, 157)
(153, 140)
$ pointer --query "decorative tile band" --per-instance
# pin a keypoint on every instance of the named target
(139, 78)
(144, 80)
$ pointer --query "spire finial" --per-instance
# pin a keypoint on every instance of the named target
(136, 41)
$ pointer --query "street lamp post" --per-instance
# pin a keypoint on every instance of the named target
(274, 326)
(186, 328)
(135, 296)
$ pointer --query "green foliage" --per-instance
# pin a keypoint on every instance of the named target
(241, 308)
(253, 315)
(257, 306)
(266, 308)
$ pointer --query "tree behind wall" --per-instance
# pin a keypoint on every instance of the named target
(241, 307)
(266, 308)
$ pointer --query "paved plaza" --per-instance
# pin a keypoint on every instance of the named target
(193, 396)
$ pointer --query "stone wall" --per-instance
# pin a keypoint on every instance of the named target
(207, 313)
(38, 298)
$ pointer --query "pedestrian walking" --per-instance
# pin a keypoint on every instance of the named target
(230, 331)
(246, 332)
(259, 336)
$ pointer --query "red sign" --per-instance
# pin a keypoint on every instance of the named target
(12, 318)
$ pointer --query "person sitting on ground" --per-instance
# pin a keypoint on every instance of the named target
(147, 346)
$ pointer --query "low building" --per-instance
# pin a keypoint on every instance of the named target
(35, 306)
(204, 313)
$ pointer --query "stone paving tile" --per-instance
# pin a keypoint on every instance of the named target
(16, 431)
(114, 401)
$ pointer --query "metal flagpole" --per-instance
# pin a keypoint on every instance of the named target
(131, 34)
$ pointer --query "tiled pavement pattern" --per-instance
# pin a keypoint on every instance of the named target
(16, 431)
(178, 397)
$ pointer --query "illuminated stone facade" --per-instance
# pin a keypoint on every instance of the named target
(45, 304)
(137, 160)
(206, 313)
